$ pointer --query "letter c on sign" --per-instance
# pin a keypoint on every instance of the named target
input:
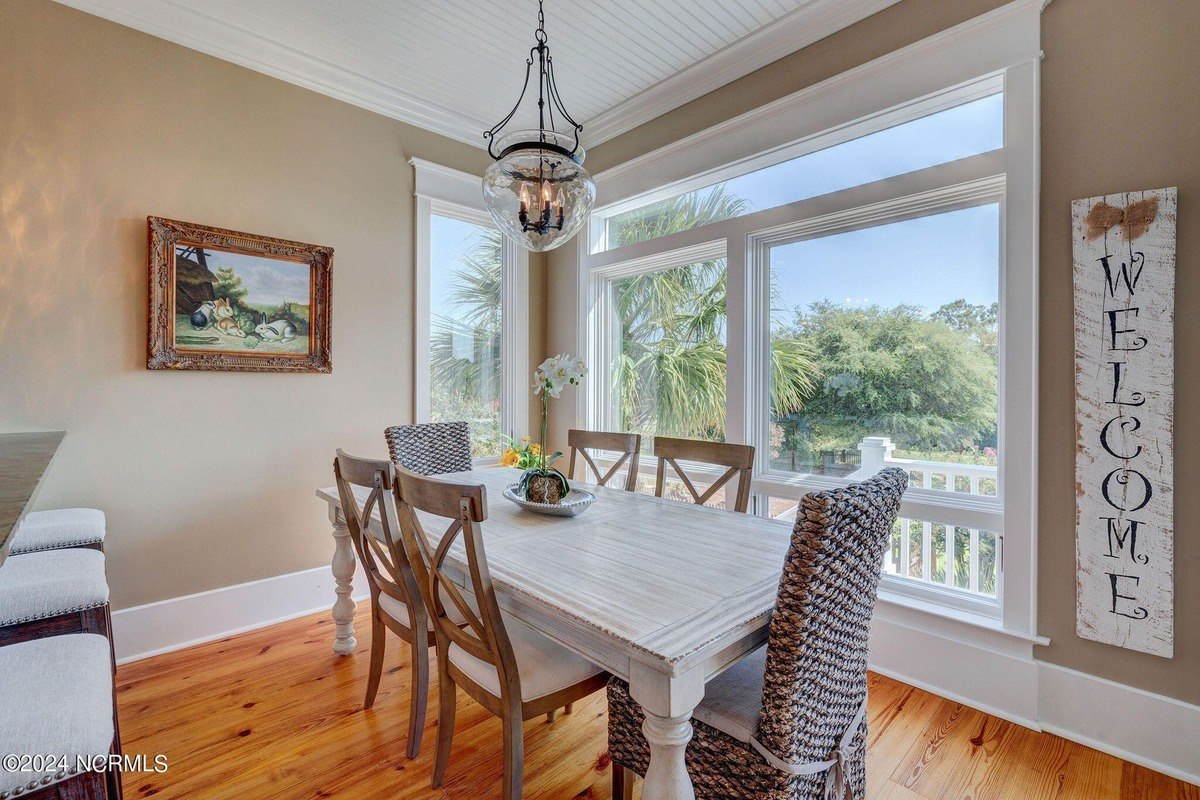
(1127, 425)
(1122, 477)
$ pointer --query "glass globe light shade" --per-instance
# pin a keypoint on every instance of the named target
(538, 196)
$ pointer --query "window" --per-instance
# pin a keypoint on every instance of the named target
(893, 361)
(668, 362)
(845, 308)
(964, 130)
(901, 342)
(465, 372)
(472, 349)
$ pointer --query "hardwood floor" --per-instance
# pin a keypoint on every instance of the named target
(275, 714)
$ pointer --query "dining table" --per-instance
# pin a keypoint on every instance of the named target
(661, 593)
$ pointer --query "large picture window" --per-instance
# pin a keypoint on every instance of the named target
(844, 310)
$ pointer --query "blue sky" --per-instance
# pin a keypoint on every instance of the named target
(449, 240)
(270, 281)
(949, 135)
(924, 262)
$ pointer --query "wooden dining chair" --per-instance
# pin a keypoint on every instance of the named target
(789, 720)
(505, 665)
(396, 601)
(739, 458)
(629, 445)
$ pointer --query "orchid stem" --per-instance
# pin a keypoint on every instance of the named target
(545, 411)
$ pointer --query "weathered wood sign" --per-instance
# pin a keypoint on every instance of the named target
(1124, 392)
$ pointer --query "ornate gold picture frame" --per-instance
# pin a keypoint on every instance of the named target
(226, 300)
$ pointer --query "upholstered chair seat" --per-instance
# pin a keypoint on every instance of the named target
(57, 696)
(61, 527)
(545, 666)
(789, 721)
(398, 610)
(41, 585)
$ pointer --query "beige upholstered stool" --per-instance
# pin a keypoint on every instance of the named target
(59, 528)
(52, 593)
(57, 696)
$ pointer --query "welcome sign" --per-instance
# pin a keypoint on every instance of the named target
(1124, 393)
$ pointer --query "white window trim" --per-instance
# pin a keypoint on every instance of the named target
(451, 193)
(1001, 46)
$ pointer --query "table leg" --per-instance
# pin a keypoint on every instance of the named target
(343, 574)
(668, 702)
(667, 777)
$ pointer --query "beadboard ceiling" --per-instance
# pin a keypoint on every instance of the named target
(455, 66)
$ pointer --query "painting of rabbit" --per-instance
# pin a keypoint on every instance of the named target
(237, 296)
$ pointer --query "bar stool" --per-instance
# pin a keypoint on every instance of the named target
(59, 528)
(52, 593)
(58, 701)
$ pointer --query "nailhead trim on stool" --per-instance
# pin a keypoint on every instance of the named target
(816, 665)
(58, 528)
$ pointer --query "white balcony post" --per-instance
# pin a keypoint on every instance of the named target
(876, 452)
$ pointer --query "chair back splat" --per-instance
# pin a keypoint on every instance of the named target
(739, 458)
(629, 445)
(381, 553)
(483, 635)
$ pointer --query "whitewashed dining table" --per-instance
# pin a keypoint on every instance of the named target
(663, 594)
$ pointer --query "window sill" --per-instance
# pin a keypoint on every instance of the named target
(954, 623)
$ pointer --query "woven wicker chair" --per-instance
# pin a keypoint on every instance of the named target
(432, 448)
(789, 722)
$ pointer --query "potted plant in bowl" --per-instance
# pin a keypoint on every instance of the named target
(541, 483)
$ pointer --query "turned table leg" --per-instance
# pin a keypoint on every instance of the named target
(343, 574)
(668, 702)
(666, 776)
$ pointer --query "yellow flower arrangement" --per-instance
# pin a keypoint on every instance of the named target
(522, 453)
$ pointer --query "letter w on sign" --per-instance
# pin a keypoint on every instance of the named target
(1124, 406)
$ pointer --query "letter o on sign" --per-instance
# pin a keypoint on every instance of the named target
(1126, 477)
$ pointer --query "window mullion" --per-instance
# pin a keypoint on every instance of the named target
(739, 372)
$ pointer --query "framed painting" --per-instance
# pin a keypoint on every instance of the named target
(225, 300)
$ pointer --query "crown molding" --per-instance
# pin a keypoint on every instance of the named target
(206, 33)
(794, 31)
(225, 40)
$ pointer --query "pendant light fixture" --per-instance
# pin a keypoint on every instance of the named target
(537, 190)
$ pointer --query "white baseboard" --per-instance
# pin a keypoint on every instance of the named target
(144, 631)
(998, 675)
(988, 670)
(1144, 728)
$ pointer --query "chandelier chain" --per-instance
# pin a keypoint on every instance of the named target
(549, 100)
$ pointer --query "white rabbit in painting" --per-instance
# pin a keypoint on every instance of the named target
(278, 331)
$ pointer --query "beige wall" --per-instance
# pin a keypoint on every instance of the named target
(207, 478)
(1120, 111)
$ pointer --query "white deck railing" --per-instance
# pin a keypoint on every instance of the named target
(929, 551)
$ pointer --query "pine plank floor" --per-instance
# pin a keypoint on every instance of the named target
(275, 714)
